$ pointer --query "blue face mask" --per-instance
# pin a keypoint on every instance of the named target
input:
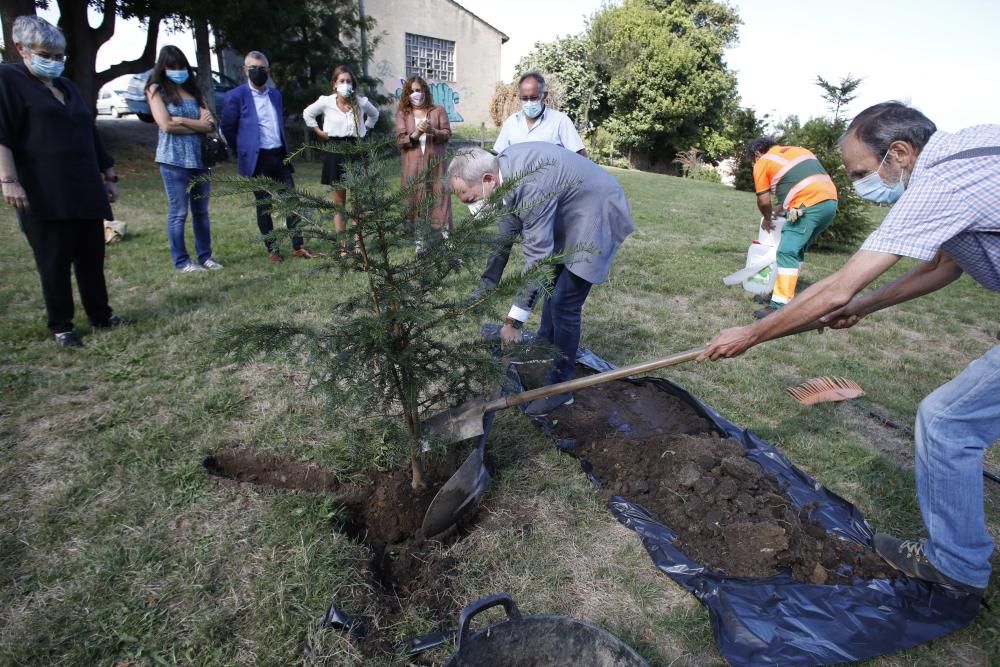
(178, 76)
(874, 189)
(46, 68)
(532, 109)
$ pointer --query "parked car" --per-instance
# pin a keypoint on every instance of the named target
(135, 96)
(113, 103)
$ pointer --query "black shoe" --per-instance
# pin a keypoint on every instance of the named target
(908, 557)
(763, 312)
(67, 339)
(762, 299)
(543, 406)
(110, 323)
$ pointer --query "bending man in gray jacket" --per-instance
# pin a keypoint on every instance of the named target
(587, 218)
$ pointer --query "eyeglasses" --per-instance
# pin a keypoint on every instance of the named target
(58, 57)
(536, 98)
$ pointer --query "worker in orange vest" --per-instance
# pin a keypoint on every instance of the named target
(809, 198)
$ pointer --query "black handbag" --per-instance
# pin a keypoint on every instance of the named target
(213, 148)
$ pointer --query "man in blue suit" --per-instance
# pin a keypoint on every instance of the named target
(575, 208)
(253, 124)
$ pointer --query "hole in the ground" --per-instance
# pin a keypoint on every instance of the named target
(247, 465)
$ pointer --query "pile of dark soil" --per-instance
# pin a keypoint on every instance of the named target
(653, 449)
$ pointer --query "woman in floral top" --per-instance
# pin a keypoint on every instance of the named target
(179, 110)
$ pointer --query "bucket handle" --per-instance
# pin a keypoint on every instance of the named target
(479, 606)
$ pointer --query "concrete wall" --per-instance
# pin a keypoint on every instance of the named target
(477, 53)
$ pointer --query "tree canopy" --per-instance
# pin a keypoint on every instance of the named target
(662, 62)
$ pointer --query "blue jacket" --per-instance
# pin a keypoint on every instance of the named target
(240, 126)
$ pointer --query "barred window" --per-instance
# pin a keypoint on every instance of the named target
(429, 57)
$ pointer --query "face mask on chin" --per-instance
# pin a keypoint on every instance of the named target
(874, 189)
(477, 206)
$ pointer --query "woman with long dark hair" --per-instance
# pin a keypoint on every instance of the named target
(179, 109)
(422, 134)
(347, 117)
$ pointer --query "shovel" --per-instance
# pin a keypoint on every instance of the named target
(470, 420)
(466, 421)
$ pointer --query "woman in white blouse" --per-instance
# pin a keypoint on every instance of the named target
(342, 113)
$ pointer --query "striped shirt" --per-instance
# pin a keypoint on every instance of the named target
(951, 206)
(794, 176)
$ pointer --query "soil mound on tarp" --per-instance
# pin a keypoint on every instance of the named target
(653, 449)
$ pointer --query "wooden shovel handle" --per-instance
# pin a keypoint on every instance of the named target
(599, 378)
(616, 374)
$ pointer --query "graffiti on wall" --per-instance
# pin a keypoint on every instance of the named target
(443, 94)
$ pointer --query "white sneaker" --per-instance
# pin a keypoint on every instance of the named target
(444, 234)
(191, 267)
(419, 245)
(211, 264)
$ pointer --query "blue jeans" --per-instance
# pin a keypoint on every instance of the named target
(956, 423)
(562, 315)
(177, 183)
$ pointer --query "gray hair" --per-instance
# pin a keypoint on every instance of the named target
(32, 31)
(256, 55)
(880, 125)
(537, 76)
(469, 164)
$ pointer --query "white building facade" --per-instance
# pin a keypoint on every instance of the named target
(455, 51)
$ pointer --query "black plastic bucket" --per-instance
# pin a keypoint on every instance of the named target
(536, 641)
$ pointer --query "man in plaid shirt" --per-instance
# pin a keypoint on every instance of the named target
(948, 216)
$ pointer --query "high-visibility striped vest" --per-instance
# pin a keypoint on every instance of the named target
(794, 175)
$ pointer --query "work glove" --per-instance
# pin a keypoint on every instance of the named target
(794, 214)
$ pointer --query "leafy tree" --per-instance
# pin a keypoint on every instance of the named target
(567, 67)
(741, 126)
(84, 41)
(838, 97)
(10, 10)
(820, 135)
(404, 343)
(303, 39)
(662, 61)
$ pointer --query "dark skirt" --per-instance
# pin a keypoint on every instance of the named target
(335, 164)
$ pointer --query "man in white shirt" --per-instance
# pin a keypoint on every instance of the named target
(253, 124)
(536, 122)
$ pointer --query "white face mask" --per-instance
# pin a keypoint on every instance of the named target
(345, 89)
(476, 206)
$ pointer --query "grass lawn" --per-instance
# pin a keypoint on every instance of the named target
(117, 549)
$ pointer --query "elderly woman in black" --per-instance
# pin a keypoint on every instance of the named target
(57, 175)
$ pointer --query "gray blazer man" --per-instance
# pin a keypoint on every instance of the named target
(588, 218)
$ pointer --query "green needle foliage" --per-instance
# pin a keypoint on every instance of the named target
(405, 344)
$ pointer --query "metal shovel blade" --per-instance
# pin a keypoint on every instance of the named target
(459, 423)
(458, 494)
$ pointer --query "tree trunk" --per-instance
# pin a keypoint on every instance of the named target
(10, 10)
(83, 42)
(204, 55)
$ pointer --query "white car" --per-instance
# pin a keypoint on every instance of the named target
(111, 102)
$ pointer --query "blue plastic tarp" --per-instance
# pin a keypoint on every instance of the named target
(780, 621)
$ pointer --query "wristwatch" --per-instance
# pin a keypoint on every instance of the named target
(512, 323)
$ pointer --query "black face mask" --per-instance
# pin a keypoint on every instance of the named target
(257, 76)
